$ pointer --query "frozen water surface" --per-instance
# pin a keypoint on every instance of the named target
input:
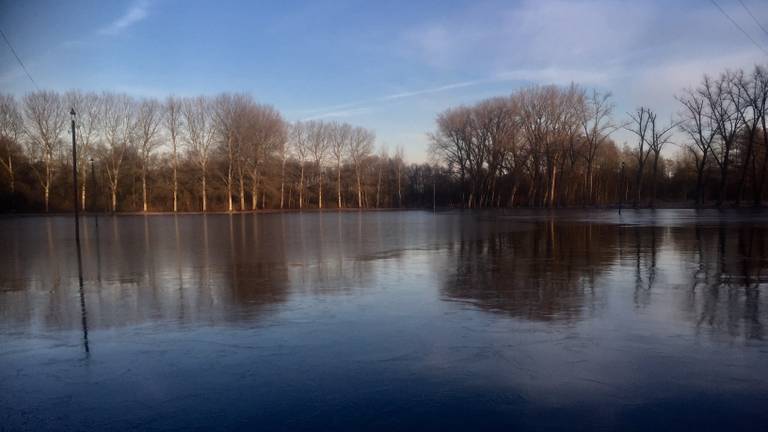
(515, 320)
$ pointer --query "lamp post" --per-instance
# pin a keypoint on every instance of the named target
(74, 176)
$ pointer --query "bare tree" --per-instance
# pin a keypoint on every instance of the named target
(752, 89)
(283, 152)
(640, 122)
(266, 132)
(227, 110)
(724, 111)
(319, 144)
(173, 124)
(11, 130)
(660, 136)
(340, 135)
(300, 144)
(760, 75)
(200, 135)
(383, 159)
(118, 123)
(699, 126)
(597, 126)
(46, 118)
(359, 149)
(148, 120)
(399, 164)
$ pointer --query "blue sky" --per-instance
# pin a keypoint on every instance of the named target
(387, 65)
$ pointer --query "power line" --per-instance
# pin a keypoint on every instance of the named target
(5, 38)
(739, 27)
(753, 17)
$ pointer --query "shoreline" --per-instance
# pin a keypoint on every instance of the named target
(667, 206)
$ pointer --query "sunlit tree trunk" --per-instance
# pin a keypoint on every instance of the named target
(144, 190)
(301, 187)
(282, 184)
(205, 193)
(319, 186)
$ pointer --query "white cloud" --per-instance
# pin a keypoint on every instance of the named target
(340, 113)
(452, 86)
(136, 13)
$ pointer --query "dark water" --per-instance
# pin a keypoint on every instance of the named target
(386, 321)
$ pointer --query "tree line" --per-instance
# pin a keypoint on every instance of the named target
(551, 146)
(542, 146)
(221, 153)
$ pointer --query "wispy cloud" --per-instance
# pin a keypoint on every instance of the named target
(138, 11)
(339, 113)
(452, 86)
(549, 75)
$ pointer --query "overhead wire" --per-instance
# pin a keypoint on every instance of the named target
(18, 59)
(722, 11)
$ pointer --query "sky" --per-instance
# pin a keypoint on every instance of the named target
(391, 66)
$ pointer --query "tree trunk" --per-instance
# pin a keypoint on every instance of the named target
(338, 182)
(205, 195)
(47, 186)
(282, 185)
(743, 178)
(301, 187)
(654, 179)
(758, 193)
(82, 191)
(175, 178)
(241, 181)
(723, 184)
(553, 186)
(45, 197)
(230, 204)
(399, 189)
(11, 177)
(144, 190)
(639, 183)
(700, 186)
(359, 191)
(319, 187)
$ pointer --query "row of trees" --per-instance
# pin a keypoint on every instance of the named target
(551, 146)
(540, 147)
(186, 154)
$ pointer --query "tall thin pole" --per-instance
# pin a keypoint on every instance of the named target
(77, 236)
(74, 177)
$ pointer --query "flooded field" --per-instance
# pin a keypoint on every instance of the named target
(386, 321)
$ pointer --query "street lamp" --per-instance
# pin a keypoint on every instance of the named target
(74, 177)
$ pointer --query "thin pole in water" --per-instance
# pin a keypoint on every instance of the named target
(77, 235)
(74, 179)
